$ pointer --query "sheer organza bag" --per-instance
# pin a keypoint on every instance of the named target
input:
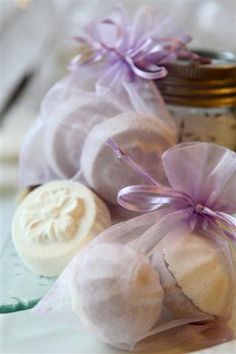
(113, 74)
(165, 277)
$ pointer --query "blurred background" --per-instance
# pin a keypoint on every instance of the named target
(36, 44)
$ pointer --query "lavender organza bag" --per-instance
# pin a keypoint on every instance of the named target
(165, 277)
(112, 74)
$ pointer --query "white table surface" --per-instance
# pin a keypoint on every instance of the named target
(24, 332)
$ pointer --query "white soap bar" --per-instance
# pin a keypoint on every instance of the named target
(53, 222)
(143, 138)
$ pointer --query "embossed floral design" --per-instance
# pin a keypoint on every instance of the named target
(53, 216)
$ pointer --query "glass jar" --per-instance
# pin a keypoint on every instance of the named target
(202, 98)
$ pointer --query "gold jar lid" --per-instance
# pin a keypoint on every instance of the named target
(201, 85)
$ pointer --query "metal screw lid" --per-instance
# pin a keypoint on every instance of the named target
(201, 85)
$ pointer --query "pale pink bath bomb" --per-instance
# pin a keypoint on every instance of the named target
(143, 138)
(68, 128)
(116, 293)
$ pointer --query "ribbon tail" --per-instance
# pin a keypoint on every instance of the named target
(158, 73)
(130, 162)
(226, 222)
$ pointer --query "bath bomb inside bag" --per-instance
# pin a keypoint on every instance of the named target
(144, 138)
(69, 125)
(195, 277)
(116, 293)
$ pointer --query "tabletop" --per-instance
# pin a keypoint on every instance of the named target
(23, 332)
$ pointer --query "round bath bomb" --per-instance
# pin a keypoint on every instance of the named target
(195, 277)
(53, 222)
(66, 132)
(174, 299)
(116, 293)
(143, 138)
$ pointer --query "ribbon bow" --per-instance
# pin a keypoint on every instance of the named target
(147, 198)
(136, 47)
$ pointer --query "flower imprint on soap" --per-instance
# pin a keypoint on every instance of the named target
(53, 216)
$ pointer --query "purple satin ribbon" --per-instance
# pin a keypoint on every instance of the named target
(147, 198)
(144, 57)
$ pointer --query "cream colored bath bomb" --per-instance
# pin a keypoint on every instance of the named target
(174, 300)
(53, 222)
(116, 293)
(144, 138)
(201, 273)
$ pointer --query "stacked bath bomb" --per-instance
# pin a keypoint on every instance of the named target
(121, 295)
(196, 276)
(55, 220)
(144, 138)
(116, 293)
